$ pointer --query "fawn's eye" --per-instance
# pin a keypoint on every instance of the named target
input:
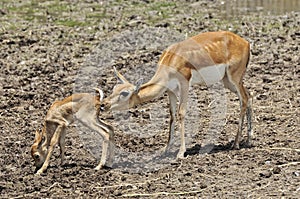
(36, 156)
(102, 107)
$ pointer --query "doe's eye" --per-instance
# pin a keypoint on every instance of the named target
(124, 93)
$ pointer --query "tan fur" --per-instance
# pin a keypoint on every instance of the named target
(83, 107)
(223, 50)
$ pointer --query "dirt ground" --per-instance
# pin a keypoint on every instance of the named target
(45, 46)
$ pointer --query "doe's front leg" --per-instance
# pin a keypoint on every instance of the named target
(172, 109)
(181, 117)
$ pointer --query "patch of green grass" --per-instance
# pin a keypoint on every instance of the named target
(164, 8)
(96, 15)
(70, 23)
(41, 11)
(27, 11)
(162, 5)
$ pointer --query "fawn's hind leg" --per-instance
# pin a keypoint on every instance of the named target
(62, 144)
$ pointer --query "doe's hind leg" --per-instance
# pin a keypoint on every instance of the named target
(243, 96)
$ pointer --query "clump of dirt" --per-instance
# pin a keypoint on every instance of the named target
(42, 53)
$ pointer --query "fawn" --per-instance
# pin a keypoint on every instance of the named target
(83, 107)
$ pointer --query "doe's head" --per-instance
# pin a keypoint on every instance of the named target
(37, 152)
(124, 95)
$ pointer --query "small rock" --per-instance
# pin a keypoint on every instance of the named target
(276, 170)
(203, 186)
(31, 108)
(296, 173)
(266, 174)
(188, 174)
(201, 170)
(3, 12)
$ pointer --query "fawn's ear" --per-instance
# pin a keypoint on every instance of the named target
(38, 137)
(101, 94)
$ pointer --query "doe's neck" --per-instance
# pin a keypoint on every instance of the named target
(150, 91)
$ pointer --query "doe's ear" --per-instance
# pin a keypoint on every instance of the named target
(138, 85)
(120, 77)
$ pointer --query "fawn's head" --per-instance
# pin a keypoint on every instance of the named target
(38, 152)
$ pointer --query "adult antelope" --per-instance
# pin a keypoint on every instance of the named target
(206, 58)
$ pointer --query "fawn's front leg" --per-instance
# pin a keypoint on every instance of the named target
(53, 142)
(104, 155)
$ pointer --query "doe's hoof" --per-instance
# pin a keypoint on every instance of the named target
(235, 146)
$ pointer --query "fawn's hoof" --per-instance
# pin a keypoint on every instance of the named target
(97, 168)
(103, 167)
(39, 172)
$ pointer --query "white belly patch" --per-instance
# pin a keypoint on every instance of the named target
(208, 75)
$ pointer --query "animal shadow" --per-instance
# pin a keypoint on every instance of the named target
(212, 148)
